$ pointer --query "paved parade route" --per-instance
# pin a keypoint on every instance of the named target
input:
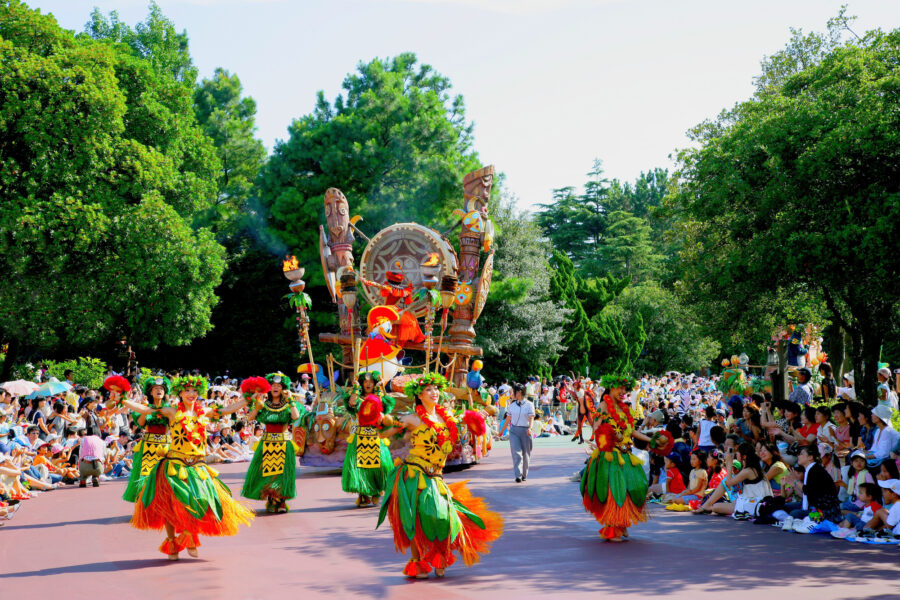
(80, 541)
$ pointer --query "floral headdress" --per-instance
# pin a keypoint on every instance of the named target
(615, 381)
(420, 382)
(200, 383)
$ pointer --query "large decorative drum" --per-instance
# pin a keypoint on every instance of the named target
(410, 245)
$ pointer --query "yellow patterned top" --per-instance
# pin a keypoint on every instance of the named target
(189, 435)
(624, 433)
(424, 446)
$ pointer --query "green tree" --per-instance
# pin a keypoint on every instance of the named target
(101, 168)
(229, 120)
(521, 328)
(564, 284)
(626, 250)
(575, 224)
(795, 191)
(675, 340)
(155, 40)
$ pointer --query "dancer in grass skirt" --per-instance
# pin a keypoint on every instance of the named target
(272, 472)
(182, 494)
(430, 518)
(368, 461)
(614, 486)
(155, 442)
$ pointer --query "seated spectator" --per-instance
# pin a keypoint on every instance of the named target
(773, 465)
(885, 437)
(888, 517)
(819, 489)
(865, 514)
(674, 483)
(751, 478)
(697, 481)
(857, 474)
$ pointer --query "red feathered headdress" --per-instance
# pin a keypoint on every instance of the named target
(116, 383)
(474, 420)
(255, 385)
(370, 411)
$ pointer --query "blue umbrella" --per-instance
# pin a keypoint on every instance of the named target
(51, 388)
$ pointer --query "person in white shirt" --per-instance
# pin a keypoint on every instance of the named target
(519, 417)
(885, 438)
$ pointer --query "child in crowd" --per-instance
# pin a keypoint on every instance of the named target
(697, 481)
(857, 521)
(674, 480)
(857, 475)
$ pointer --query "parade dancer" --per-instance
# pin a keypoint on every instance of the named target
(368, 462)
(427, 516)
(155, 442)
(584, 396)
(613, 485)
(271, 474)
(182, 493)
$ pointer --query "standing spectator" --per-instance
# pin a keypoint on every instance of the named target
(683, 396)
(546, 399)
(828, 388)
(90, 463)
(886, 396)
(519, 417)
(307, 394)
(802, 393)
(531, 390)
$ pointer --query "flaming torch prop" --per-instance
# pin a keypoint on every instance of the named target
(429, 281)
(301, 302)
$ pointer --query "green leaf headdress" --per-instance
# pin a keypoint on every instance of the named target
(613, 381)
(283, 379)
(200, 383)
(158, 379)
(420, 382)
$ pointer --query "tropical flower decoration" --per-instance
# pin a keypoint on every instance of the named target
(420, 382)
(615, 381)
(662, 443)
(371, 411)
(117, 383)
(198, 382)
(255, 385)
(605, 437)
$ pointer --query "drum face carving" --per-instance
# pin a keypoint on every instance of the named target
(407, 244)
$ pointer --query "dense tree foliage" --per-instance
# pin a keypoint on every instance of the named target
(795, 192)
(102, 167)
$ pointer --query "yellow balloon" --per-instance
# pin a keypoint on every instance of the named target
(477, 365)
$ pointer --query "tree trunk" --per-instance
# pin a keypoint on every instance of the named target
(868, 358)
(12, 355)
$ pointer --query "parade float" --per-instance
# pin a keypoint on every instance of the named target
(422, 298)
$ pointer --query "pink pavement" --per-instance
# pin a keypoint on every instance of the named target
(77, 543)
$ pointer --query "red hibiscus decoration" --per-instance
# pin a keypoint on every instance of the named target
(370, 412)
(605, 437)
(474, 420)
(662, 443)
(255, 385)
(117, 383)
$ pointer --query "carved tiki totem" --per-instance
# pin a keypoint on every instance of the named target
(477, 194)
(336, 252)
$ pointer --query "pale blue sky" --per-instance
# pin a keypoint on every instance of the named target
(550, 84)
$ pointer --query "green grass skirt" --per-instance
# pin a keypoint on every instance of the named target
(284, 485)
(365, 482)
